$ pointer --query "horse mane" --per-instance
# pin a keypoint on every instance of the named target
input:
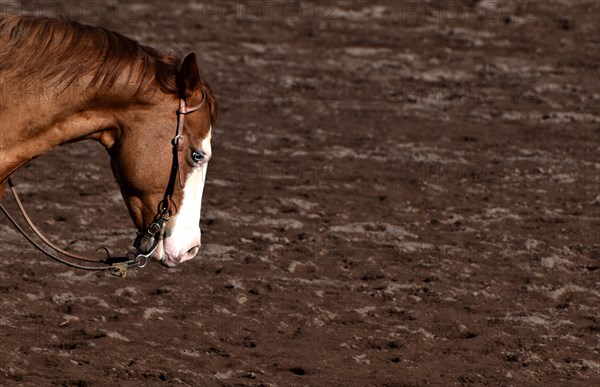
(62, 51)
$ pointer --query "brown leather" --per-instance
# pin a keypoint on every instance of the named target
(179, 137)
(39, 233)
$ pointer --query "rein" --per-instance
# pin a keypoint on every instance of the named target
(155, 232)
(116, 265)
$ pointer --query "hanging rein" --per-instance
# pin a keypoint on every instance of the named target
(154, 233)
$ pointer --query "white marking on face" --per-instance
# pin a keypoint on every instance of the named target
(184, 242)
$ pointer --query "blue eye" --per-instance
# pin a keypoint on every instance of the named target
(198, 156)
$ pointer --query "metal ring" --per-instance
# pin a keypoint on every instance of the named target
(143, 258)
(176, 139)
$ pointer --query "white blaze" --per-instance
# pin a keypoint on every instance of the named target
(185, 235)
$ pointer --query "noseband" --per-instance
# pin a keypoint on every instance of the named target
(152, 235)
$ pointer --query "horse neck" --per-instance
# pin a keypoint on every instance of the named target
(34, 121)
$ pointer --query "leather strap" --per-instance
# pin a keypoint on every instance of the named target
(115, 265)
(179, 137)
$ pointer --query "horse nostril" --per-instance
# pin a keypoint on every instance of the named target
(193, 251)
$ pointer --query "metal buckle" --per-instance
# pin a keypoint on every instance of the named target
(153, 229)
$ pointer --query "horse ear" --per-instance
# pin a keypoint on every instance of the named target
(188, 79)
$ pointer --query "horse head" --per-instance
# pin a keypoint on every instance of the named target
(160, 159)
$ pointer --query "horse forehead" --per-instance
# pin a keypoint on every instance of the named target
(199, 128)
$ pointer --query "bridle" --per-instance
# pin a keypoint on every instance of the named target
(153, 234)
(165, 207)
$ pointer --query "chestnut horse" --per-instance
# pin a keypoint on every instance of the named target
(62, 82)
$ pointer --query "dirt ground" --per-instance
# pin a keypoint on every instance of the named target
(401, 194)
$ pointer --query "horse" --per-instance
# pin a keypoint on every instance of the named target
(62, 82)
